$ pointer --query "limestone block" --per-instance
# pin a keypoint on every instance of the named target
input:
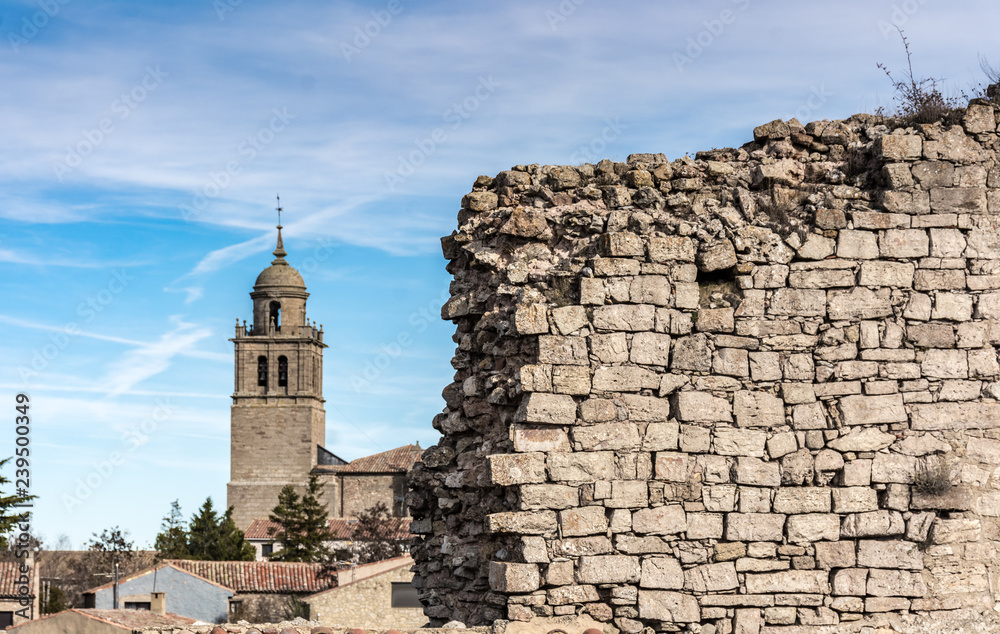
(983, 242)
(624, 317)
(660, 437)
(731, 441)
(555, 409)
(895, 583)
(535, 378)
(952, 306)
(854, 499)
(983, 363)
(568, 595)
(878, 273)
(646, 408)
(661, 572)
(919, 307)
(719, 497)
(857, 473)
(755, 527)
(531, 319)
(715, 320)
(880, 523)
(608, 569)
(607, 436)
(628, 494)
(758, 409)
(598, 410)
(797, 468)
(588, 520)
(528, 438)
(516, 468)
(789, 581)
(862, 439)
(661, 520)
(548, 496)
(857, 245)
(958, 200)
(622, 244)
(522, 522)
(716, 577)
(898, 147)
(769, 276)
(765, 366)
(979, 118)
(850, 581)
(784, 615)
(592, 291)
(650, 348)
(817, 248)
(821, 278)
(667, 606)
(974, 335)
(834, 554)
(904, 243)
(798, 367)
(571, 379)
(581, 466)
(781, 444)
(559, 350)
(686, 295)
(889, 554)
(947, 243)
(692, 406)
(809, 416)
(858, 303)
(650, 289)
(716, 256)
(798, 302)
(932, 174)
(802, 500)
(641, 545)
(933, 335)
(663, 249)
(755, 500)
(923, 444)
(692, 353)
(731, 362)
(754, 472)
(945, 364)
(944, 279)
(569, 319)
(872, 410)
(888, 467)
(813, 527)
(704, 526)
(954, 532)
(514, 578)
(621, 378)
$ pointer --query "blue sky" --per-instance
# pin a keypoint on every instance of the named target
(144, 144)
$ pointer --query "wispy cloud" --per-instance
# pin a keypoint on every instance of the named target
(138, 365)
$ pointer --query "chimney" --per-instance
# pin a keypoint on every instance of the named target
(158, 602)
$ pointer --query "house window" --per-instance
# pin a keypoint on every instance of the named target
(137, 605)
(266, 549)
(262, 371)
(282, 371)
(404, 595)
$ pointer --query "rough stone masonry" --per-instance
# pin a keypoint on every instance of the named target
(756, 391)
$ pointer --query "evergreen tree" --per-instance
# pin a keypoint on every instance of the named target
(214, 537)
(375, 535)
(9, 519)
(303, 529)
(172, 541)
(232, 545)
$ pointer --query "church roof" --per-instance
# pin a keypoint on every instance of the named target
(342, 528)
(258, 576)
(9, 572)
(398, 460)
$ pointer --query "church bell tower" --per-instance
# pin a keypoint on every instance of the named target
(277, 420)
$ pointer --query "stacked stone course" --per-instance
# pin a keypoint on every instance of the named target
(755, 391)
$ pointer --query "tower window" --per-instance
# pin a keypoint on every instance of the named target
(282, 371)
(262, 371)
(275, 316)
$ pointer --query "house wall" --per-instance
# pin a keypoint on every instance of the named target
(186, 595)
(265, 608)
(366, 604)
(362, 491)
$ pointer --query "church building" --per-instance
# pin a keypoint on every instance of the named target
(278, 423)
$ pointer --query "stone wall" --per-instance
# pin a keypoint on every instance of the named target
(751, 390)
(367, 603)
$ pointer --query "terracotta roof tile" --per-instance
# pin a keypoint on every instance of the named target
(341, 528)
(8, 579)
(258, 576)
(398, 460)
(128, 620)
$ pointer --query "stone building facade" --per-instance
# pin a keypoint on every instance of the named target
(756, 390)
(278, 412)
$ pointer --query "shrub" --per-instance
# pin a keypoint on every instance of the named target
(920, 100)
(932, 479)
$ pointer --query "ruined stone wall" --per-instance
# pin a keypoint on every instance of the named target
(753, 389)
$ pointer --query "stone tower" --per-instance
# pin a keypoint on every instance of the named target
(278, 420)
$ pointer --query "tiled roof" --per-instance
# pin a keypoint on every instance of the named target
(8, 579)
(150, 570)
(342, 528)
(128, 620)
(398, 460)
(258, 576)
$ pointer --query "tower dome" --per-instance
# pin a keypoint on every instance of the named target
(279, 274)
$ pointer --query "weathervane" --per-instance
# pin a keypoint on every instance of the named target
(279, 211)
